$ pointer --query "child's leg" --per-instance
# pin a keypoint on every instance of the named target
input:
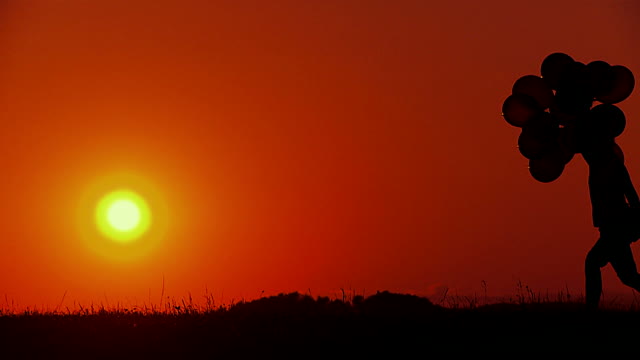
(625, 266)
(596, 259)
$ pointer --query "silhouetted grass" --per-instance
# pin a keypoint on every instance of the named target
(295, 325)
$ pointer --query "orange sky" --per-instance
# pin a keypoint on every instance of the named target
(297, 145)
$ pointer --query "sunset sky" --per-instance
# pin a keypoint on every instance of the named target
(291, 146)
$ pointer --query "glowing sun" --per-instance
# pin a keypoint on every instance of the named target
(123, 216)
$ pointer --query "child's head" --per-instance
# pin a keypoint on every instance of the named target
(601, 153)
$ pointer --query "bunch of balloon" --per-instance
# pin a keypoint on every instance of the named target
(569, 107)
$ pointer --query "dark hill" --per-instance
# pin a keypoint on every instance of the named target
(299, 326)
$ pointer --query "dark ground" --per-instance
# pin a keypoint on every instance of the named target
(298, 326)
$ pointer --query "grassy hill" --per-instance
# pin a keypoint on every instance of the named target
(299, 326)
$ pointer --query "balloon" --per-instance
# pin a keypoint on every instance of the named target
(546, 169)
(532, 147)
(571, 103)
(572, 95)
(535, 87)
(517, 109)
(563, 118)
(567, 88)
(574, 77)
(607, 120)
(600, 127)
(566, 146)
(552, 66)
(599, 78)
(543, 126)
(622, 85)
(538, 136)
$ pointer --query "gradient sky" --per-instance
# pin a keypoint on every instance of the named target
(297, 145)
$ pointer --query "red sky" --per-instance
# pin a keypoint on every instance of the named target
(297, 145)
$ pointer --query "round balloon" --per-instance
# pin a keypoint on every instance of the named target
(538, 136)
(607, 120)
(566, 146)
(552, 66)
(571, 102)
(622, 86)
(574, 78)
(535, 87)
(600, 78)
(544, 126)
(532, 147)
(517, 109)
(563, 118)
(546, 169)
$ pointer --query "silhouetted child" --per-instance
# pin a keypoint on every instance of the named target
(613, 200)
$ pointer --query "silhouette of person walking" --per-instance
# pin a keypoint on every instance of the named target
(613, 200)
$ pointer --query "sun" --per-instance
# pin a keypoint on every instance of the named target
(122, 216)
